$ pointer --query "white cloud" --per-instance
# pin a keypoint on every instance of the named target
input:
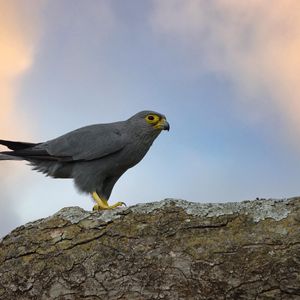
(255, 44)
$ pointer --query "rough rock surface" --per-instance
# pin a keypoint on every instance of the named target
(171, 249)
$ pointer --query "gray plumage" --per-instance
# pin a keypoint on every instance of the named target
(95, 156)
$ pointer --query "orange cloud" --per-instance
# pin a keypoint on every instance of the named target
(255, 43)
(17, 39)
(18, 20)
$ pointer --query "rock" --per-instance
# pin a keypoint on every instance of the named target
(171, 249)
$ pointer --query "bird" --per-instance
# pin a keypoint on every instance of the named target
(94, 156)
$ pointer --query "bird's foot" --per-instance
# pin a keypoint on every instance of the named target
(102, 204)
(104, 207)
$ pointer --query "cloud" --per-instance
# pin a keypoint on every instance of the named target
(255, 44)
(18, 36)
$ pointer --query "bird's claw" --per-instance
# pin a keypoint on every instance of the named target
(97, 207)
(102, 204)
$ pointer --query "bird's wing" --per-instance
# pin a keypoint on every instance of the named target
(87, 143)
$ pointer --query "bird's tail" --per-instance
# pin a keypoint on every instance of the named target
(9, 157)
(15, 146)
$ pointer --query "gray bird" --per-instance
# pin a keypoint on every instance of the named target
(95, 156)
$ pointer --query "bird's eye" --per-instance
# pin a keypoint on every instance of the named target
(152, 119)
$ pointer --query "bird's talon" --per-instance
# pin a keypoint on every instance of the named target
(103, 205)
(96, 207)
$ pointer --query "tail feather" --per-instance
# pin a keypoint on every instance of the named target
(9, 157)
(39, 159)
(29, 151)
(17, 145)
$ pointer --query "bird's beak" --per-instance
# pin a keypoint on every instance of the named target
(166, 125)
(162, 125)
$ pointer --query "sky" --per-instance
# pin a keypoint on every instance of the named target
(225, 73)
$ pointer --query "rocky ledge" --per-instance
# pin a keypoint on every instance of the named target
(171, 249)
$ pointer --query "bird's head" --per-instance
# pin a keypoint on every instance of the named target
(150, 121)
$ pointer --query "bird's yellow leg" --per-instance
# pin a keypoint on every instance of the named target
(102, 203)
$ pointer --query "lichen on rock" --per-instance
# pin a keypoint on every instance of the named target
(172, 249)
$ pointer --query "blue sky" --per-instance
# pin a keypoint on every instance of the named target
(231, 100)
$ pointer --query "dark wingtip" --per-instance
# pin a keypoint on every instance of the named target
(17, 145)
